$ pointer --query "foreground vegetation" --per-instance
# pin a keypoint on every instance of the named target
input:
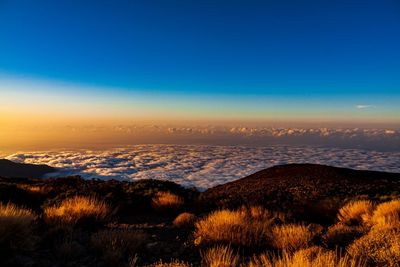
(72, 222)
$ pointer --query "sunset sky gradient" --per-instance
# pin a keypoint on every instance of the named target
(101, 64)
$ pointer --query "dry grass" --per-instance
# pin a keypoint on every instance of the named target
(380, 246)
(174, 263)
(220, 256)
(166, 202)
(34, 189)
(233, 227)
(291, 237)
(387, 214)
(185, 219)
(77, 210)
(259, 213)
(342, 235)
(68, 249)
(16, 227)
(115, 245)
(356, 212)
(311, 257)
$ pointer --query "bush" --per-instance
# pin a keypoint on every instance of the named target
(356, 212)
(115, 245)
(68, 249)
(233, 227)
(174, 263)
(35, 189)
(342, 235)
(378, 247)
(291, 237)
(387, 214)
(166, 202)
(310, 257)
(185, 219)
(221, 256)
(78, 210)
(16, 227)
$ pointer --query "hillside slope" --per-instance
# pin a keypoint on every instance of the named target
(302, 188)
(12, 169)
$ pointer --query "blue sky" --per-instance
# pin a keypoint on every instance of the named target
(326, 54)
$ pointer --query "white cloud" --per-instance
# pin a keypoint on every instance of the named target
(364, 106)
(201, 166)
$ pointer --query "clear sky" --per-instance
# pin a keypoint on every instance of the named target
(204, 60)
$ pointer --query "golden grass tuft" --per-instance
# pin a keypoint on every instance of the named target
(310, 257)
(291, 237)
(232, 227)
(166, 202)
(379, 247)
(34, 189)
(77, 210)
(173, 263)
(355, 212)
(117, 244)
(185, 219)
(220, 256)
(259, 213)
(16, 227)
(342, 235)
(387, 214)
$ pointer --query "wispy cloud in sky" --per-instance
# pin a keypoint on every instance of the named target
(364, 106)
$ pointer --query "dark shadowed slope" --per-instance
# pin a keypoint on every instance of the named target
(302, 188)
(12, 169)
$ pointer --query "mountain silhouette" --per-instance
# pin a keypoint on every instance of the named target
(12, 169)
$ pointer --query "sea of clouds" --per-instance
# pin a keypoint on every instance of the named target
(202, 166)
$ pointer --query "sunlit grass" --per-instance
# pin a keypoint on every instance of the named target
(380, 246)
(15, 227)
(311, 257)
(185, 219)
(77, 210)
(291, 237)
(166, 202)
(173, 263)
(387, 214)
(220, 256)
(356, 212)
(341, 234)
(234, 227)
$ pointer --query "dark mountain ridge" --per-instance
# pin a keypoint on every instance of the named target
(9, 168)
(302, 188)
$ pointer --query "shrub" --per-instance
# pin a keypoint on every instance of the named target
(174, 263)
(15, 227)
(166, 202)
(68, 249)
(387, 214)
(379, 246)
(259, 213)
(342, 235)
(310, 257)
(114, 245)
(232, 227)
(220, 256)
(34, 189)
(355, 212)
(78, 210)
(185, 219)
(291, 237)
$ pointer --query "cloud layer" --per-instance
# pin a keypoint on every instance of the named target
(200, 165)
